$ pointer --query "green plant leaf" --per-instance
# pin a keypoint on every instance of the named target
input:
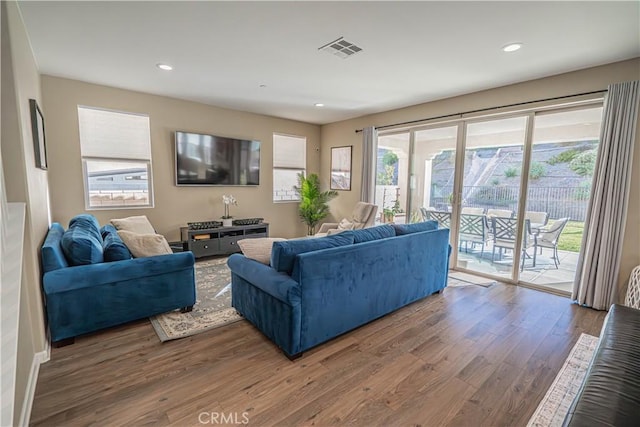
(313, 202)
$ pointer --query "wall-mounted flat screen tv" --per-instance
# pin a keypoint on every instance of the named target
(216, 160)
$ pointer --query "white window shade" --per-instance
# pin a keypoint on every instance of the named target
(110, 134)
(289, 152)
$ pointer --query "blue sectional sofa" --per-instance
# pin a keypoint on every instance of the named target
(316, 289)
(96, 294)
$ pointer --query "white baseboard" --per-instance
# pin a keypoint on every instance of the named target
(30, 391)
(45, 355)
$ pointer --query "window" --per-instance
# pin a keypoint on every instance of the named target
(289, 159)
(116, 159)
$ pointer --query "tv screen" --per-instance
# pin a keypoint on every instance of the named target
(216, 160)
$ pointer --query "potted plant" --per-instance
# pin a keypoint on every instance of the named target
(314, 204)
(390, 213)
(227, 219)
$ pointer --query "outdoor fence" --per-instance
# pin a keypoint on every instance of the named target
(558, 202)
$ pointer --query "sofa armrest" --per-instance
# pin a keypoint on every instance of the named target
(327, 226)
(85, 276)
(610, 389)
(278, 285)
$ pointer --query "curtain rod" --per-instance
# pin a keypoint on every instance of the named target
(487, 109)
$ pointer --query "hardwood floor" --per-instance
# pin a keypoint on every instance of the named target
(470, 356)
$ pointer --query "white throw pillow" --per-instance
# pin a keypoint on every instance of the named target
(259, 248)
(345, 225)
(136, 224)
(144, 245)
(333, 231)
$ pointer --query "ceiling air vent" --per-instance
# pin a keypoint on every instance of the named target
(340, 47)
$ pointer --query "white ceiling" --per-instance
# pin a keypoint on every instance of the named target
(413, 52)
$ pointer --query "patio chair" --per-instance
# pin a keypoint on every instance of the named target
(548, 238)
(499, 213)
(443, 218)
(538, 219)
(423, 212)
(472, 211)
(473, 228)
(504, 237)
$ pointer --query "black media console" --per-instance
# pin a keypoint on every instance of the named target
(219, 240)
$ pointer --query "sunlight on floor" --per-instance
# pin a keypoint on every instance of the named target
(544, 274)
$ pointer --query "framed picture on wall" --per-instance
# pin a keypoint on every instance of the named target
(37, 129)
(341, 168)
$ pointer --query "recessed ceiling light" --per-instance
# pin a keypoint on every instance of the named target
(165, 67)
(318, 104)
(512, 47)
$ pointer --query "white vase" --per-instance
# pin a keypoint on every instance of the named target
(227, 222)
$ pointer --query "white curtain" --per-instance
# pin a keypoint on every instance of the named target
(599, 263)
(369, 150)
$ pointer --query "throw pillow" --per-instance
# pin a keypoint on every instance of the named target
(136, 224)
(82, 243)
(144, 245)
(259, 249)
(417, 227)
(333, 231)
(112, 245)
(89, 222)
(106, 230)
(345, 225)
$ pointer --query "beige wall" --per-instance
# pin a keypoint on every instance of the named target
(592, 79)
(174, 206)
(24, 183)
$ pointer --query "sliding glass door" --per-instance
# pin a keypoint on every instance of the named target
(564, 150)
(490, 195)
(513, 190)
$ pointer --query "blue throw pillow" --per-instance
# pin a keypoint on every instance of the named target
(88, 222)
(402, 229)
(82, 243)
(373, 233)
(283, 254)
(106, 230)
(113, 247)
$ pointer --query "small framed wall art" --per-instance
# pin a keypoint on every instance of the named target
(37, 129)
(341, 168)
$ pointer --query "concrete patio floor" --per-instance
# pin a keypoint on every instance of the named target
(544, 274)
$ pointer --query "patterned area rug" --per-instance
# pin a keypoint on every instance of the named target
(556, 403)
(211, 310)
(458, 279)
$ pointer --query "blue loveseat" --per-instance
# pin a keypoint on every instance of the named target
(99, 294)
(316, 289)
